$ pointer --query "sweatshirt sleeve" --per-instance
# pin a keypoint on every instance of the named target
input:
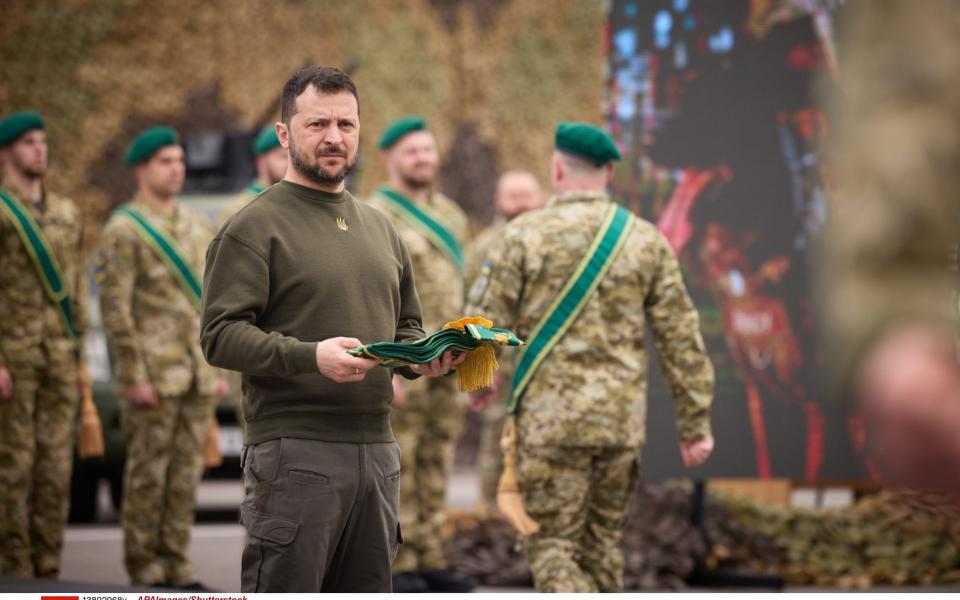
(235, 284)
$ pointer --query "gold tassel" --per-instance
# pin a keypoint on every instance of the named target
(477, 370)
(461, 324)
(90, 437)
(212, 457)
(509, 499)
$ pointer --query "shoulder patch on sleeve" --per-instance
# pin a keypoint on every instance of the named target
(100, 266)
(481, 283)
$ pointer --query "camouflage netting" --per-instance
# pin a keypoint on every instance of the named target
(892, 538)
(493, 77)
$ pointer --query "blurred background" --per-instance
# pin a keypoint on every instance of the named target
(718, 108)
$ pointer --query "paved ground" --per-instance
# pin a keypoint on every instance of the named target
(94, 553)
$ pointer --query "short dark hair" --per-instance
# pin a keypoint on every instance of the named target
(327, 80)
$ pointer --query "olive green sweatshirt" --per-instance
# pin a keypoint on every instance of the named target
(294, 267)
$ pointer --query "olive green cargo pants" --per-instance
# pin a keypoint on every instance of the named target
(321, 516)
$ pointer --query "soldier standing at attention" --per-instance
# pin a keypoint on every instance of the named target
(150, 256)
(43, 316)
(517, 192)
(292, 282)
(271, 160)
(428, 414)
(578, 398)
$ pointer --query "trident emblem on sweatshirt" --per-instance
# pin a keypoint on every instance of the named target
(342, 223)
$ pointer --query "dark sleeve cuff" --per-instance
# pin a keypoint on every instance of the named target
(305, 357)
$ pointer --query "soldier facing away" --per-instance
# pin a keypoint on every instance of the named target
(578, 399)
(43, 316)
(150, 255)
(428, 414)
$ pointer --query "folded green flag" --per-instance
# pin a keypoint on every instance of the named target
(474, 335)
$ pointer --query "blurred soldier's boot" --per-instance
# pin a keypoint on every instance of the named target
(409, 582)
(445, 580)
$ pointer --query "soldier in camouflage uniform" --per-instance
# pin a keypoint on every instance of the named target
(271, 160)
(580, 426)
(39, 365)
(427, 413)
(168, 389)
(517, 193)
(892, 329)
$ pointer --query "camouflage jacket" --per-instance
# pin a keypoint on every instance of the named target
(480, 247)
(242, 199)
(28, 319)
(439, 283)
(591, 389)
(152, 327)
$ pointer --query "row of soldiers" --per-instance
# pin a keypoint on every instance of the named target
(575, 442)
(168, 390)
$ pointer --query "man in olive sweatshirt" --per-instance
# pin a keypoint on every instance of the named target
(292, 281)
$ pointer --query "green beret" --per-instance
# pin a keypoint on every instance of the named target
(400, 128)
(586, 141)
(18, 124)
(148, 142)
(266, 140)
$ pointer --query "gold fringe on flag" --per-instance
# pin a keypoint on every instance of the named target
(476, 371)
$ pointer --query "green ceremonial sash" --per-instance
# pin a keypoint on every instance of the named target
(43, 258)
(614, 231)
(426, 224)
(254, 187)
(167, 250)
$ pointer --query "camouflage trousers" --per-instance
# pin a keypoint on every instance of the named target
(489, 455)
(163, 467)
(426, 426)
(37, 432)
(580, 497)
